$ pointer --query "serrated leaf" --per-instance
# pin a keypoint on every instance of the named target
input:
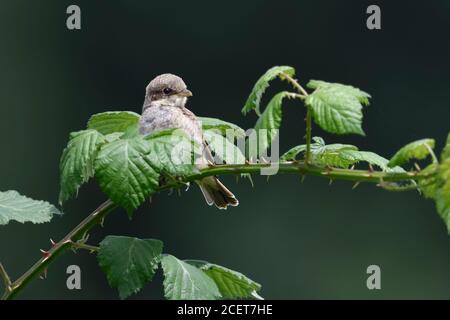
(113, 121)
(261, 85)
(172, 153)
(221, 126)
(436, 184)
(270, 121)
(231, 284)
(419, 149)
(292, 153)
(183, 281)
(330, 154)
(442, 195)
(129, 263)
(429, 185)
(366, 156)
(125, 173)
(223, 148)
(14, 206)
(113, 136)
(337, 108)
(322, 154)
(442, 185)
(446, 151)
(77, 161)
(362, 96)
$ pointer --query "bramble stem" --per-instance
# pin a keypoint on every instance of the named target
(295, 84)
(88, 247)
(5, 277)
(97, 216)
(303, 94)
(308, 135)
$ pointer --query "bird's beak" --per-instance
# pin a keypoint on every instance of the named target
(185, 93)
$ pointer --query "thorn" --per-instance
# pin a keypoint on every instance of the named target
(247, 162)
(43, 275)
(52, 242)
(327, 171)
(268, 177)
(371, 168)
(303, 178)
(263, 160)
(211, 164)
(187, 186)
(45, 254)
(102, 222)
(416, 165)
(331, 182)
(352, 167)
(355, 185)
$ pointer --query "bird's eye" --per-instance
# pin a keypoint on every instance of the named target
(167, 90)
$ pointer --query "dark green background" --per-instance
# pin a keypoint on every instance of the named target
(301, 241)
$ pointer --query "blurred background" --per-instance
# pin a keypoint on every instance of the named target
(299, 240)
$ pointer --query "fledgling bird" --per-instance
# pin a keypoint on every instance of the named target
(164, 108)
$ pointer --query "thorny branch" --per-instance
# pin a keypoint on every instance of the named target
(75, 239)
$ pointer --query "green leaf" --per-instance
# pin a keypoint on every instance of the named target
(270, 121)
(221, 126)
(77, 161)
(362, 96)
(14, 206)
(366, 156)
(172, 153)
(419, 149)
(437, 184)
(223, 148)
(330, 154)
(446, 151)
(429, 185)
(125, 173)
(442, 193)
(113, 121)
(113, 136)
(231, 284)
(262, 84)
(292, 153)
(129, 263)
(183, 281)
(337, 108)
(322, 154)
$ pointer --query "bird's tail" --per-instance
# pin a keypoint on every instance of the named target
(216, 193)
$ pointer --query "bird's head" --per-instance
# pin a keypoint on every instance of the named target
(166, 89)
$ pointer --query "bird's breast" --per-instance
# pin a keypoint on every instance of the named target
(167, 117)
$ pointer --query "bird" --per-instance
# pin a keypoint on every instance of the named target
(165, 108)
